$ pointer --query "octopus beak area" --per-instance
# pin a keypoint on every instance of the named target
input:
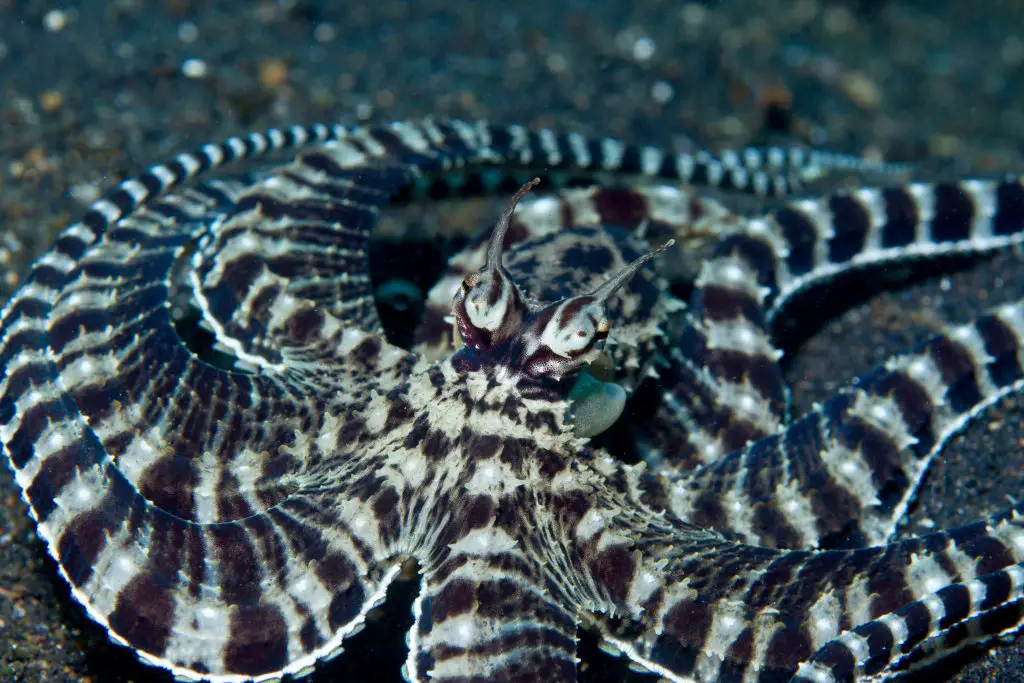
(562, 337)
(489, 308)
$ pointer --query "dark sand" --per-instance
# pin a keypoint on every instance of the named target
(98, 92)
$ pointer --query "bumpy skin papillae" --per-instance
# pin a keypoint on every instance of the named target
(236, 524)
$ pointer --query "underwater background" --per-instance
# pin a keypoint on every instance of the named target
(93, 91)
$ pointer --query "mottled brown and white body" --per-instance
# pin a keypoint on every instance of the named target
(234, 517)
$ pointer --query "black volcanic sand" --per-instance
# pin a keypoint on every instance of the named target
(97, 91)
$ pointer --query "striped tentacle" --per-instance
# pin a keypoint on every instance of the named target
(724, 386)
(291, 258)
(811, 163)
(265, 596)
(493, 605)
(169, 515)
(503, 627)
(844, 474)
(485, 613)
(916, 635)
(867, 227)
(560, 157)
(687, 604)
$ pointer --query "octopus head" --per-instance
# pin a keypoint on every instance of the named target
(553, 342)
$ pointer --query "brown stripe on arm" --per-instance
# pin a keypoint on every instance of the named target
(729, 610)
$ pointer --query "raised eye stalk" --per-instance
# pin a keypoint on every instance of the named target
(565, 335)
(489, 309)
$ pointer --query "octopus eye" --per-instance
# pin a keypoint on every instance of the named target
(567, 335)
